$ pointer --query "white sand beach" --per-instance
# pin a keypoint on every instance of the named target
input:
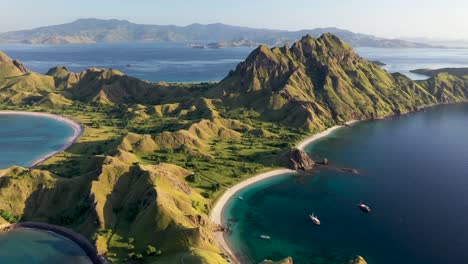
(77, 131)
(217, 211)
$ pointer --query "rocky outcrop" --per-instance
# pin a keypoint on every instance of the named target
(358, 260)
(11, 68)
(287, 260)
(299, 160)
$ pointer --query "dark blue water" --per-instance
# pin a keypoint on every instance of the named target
(21, 246)
(175, 62)
(24, 139)
(414, 176)
(171, 62)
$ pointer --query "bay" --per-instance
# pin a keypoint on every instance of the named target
(413, 175)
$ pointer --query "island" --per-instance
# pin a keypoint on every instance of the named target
(156, 160)
(92, 30)
(432, 72)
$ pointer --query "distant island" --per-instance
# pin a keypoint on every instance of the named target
(215, 35)
(453, 71)
(142, 180)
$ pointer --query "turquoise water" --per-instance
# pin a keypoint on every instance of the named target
(24, 139)
(21, 246)
(413, 175)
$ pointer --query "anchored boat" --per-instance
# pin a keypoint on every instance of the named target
(314, 219)
(365, 208)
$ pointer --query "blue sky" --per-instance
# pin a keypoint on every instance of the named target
(387, 18)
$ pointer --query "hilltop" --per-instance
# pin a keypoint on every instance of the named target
(117, 31)
(316, 82)
(155, 156)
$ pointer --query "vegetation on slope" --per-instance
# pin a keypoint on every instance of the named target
(141, 180)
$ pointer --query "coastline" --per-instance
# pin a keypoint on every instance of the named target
(77, 132)
(216, 214)
(64, 232)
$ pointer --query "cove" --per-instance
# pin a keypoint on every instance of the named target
(413, 175)
(36, 247)
(27, 138)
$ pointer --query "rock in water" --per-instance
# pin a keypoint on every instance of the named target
(299, 160)
(287, 260)
(357, 260)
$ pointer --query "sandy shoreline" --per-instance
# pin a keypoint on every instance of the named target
(216, 215)
(77, 131)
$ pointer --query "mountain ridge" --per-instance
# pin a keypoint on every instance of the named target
(116, 31)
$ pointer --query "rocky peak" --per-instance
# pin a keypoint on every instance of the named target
(11, 68)
(58, 71)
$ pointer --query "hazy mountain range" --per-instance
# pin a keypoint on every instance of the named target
(118, 31)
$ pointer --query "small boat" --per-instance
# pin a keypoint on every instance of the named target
(265, 237)
(240, 198)
(314, 219)
(365, 208)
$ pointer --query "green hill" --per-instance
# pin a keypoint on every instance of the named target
(318, 81)
(155, 156)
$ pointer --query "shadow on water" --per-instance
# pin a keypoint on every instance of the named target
(60, 246)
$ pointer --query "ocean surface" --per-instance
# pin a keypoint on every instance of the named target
(404, 60)
(170, 62)
(176, 62)
(413, 174)
(30, 246)
(24, 139)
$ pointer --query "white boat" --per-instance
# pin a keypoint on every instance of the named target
(365, 208)
(265, 237)
(240, 198)
(314, 219)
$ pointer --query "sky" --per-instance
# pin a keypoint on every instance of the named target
(385, 18)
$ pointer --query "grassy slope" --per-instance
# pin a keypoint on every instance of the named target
(116, 184)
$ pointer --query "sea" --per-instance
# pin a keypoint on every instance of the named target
(412, 173)
(20, 246)
(24, 139)
(178, 62)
